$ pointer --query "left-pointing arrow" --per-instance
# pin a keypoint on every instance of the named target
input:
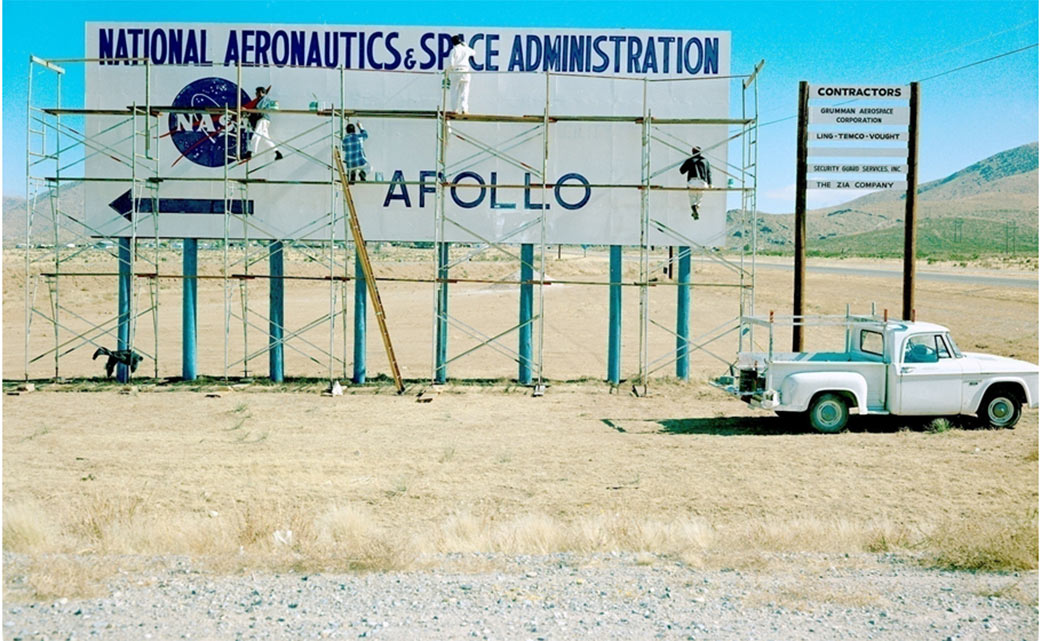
(124, 206)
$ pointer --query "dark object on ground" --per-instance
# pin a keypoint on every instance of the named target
(127, 357)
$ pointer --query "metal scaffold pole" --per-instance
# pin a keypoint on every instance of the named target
(645, 184)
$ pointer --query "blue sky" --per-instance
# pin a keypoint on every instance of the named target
(966, 115)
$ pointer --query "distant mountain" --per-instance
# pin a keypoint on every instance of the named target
(972, 210)
(71, 207)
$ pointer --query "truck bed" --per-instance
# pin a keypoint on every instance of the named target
(871, 367)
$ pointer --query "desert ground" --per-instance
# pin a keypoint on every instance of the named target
(131, 497)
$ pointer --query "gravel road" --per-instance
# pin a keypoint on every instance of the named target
(550, 597)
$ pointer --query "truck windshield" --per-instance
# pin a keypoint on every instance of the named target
(954, 346)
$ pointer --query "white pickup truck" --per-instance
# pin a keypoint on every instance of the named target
(888, 367)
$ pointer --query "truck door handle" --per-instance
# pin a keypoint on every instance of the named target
(905, 370)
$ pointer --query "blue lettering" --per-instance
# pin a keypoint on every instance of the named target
(332, 43)
(516, 55)
(551, 54)
(191, 48)
(134, 33)
(476, 66)
(395, 55)
(633, 59)
(176, 46)
(686, 56)
(490, 52)
(157, 44)
(231, 54)
(280, 48)
(585, 196)
(495, 204)
(368, 50)
(105, 44)
(297, 41)
(204, 49)
(527, 194)
(650, 58)
(425, 187)
(247, 46)
(604, 60)
(397, 180)
(263, 44)
(121, 47)
(425, 46)
(533, 53)
(712, 55)
(472, 203)
(444, 47)
(314, 52)
(361, 50)
(665, 42)
(617, 40)
(577, 57)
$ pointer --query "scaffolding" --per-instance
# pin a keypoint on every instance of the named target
(131, 136)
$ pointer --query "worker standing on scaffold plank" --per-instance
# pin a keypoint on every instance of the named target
(261, 121)
(354, 153)
(459, 74)
(699, 176)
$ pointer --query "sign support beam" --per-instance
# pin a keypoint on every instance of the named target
(276, 312)
(526, 299)
(799, 287)
(683, 315)
(911, 208)
(614, 317)
(189, 295)
(123, 332)
(360, 320)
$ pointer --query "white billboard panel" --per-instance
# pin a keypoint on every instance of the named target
(592, 167)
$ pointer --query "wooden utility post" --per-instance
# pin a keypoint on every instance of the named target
(911, 207)
(801, 154)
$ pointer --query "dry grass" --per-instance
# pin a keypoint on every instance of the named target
(375, 481)
(1001, 545)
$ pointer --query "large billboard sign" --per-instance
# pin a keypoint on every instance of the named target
(599, 84)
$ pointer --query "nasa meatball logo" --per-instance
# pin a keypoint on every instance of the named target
(207, 138)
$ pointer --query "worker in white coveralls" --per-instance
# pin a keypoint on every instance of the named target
(459, 74)
(261, 122)
(699, 176)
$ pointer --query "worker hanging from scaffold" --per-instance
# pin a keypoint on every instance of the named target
(699, 176)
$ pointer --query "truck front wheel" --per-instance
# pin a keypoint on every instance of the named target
(1000, 409)
(828, 413)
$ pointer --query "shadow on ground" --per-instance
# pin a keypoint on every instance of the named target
(777, 426)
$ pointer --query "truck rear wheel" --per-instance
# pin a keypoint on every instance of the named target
(1000, 409)
(828, 413)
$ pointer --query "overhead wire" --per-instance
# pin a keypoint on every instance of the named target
(934, 76)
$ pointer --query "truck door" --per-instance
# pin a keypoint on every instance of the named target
(928, 377)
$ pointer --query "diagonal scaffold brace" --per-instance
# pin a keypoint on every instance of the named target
(370, 281)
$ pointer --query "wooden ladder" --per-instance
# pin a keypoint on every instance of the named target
(366, 266)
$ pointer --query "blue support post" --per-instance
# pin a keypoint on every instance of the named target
(361, 294)
(441, 347)
(125, 283)
(526, 297)
(683, 315)
(189, 330)
(614, 319)
(276, 312)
